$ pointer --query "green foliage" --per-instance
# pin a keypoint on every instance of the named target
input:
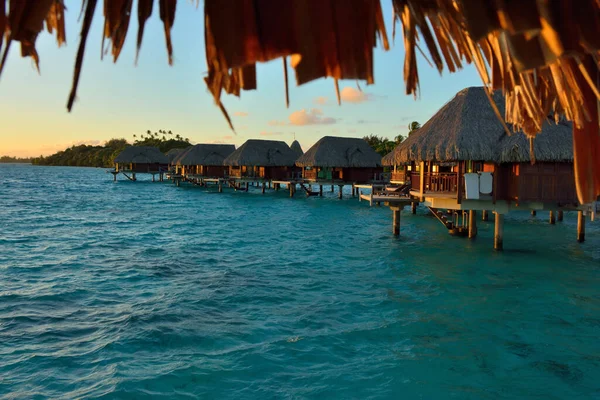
(14, 160)
(413, 126)
(103, 156)
(164, 140)
(383, 145)
(85, 156)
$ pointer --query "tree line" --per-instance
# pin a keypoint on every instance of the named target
(14, 160)
(384, 145)
(103, 156)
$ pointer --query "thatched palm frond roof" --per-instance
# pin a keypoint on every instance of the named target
(263, 153)
(295, 146)
(340, 152)
(553, 144)
(205, 154)
(174, 153)
(466, 128)
(141, 155)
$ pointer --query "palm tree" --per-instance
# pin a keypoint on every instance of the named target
(399, 139)
(413, 126)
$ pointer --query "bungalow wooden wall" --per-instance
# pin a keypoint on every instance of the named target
(360, 175)
(216, 171)
(145, 167)
(543, 182)
(278, 173)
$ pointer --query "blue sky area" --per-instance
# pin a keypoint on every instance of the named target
(119, 100)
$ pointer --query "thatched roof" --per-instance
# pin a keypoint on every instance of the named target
(553, 144)
(340, 152)
(141, 155)
(295, 146)
(174, 153)
(263, 153)
(466, 128)
(205, 154)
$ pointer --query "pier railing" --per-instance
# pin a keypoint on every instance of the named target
(399, 176)
(440, 182)
(310, 174)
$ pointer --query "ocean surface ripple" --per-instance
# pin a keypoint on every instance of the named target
(141, 289)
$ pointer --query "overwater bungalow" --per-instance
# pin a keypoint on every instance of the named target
(204, 161)
(262, 161)
(463, 160)
(140, 159)
(341, 160)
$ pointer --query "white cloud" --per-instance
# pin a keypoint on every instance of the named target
(314, 116)
(352, 95)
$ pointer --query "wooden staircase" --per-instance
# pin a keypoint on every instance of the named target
(308, 191)
(453, 229)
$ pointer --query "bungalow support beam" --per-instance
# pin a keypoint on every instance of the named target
(220, 186)
(472, 224)
(340, 191)
(484, 215)
(533, 213)
(580, 227)
(499, 232)
(413, 207)
(422, 180)
(264, 185)
(321, 190)
(552, 218)
(396, 220)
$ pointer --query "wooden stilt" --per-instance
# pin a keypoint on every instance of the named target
(264, 186)
(559, 217)
(153, 178)
(353, 188)
(396, 220)
(580, 227)
(220, 186)
(484, 215)
(499, 232)
(321, 190)
(533, 213)
(552, 218)
(291, 190)
(133, 177)
(340, 194)
(331, 188)
(177, 182)
(472, 224)
(114, 177)
(413, 207)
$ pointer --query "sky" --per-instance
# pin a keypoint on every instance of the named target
(120, 100)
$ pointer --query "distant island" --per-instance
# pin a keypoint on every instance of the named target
(103, 156)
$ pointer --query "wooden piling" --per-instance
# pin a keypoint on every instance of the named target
(552, 218)
(533, 213)
(321, 190)
(498, 232)
(484, 215)
(331, 188)
(114, 177)
(413, 207)
(291, 190)
(340, 194)
(580, 227)
(472, 224)
(220, 186)
(264, 186)
(396, 220)
(559, 217)
(353, 190)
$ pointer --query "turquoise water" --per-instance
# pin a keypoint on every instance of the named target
(141, 289)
